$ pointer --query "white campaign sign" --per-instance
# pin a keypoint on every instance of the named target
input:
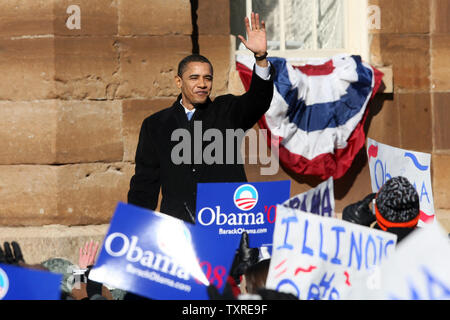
(386, 162)
(319, 200)
(315, 257)
(414, 272)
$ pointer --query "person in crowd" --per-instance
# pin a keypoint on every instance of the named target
(252, 286)
(65, 268)
(255, 277)
(396, 208)
(85, 288)
(177, 178)
(76, 284)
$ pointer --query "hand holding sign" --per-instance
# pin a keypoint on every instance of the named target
(160, 257)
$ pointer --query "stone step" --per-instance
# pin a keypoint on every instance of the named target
(39, 244)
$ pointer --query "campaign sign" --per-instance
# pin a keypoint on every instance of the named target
(319, 200)
(157, 256)
(229, 209)
(321, 258)
(386, 162)
(18, 283)
(414, 272)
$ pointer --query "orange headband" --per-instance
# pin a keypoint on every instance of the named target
(385, 224)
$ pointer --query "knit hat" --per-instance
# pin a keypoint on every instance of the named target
(64, 267)
(397, 204)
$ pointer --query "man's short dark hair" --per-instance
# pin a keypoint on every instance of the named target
(192, 58)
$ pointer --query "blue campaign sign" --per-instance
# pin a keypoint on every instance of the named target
(157, 256)
(229, 209)
(17, 283)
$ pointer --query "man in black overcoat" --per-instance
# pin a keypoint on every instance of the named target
(180, 146)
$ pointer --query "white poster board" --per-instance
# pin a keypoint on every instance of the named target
(386, 162)
(319, 200)
(315, 257)
(414, 272)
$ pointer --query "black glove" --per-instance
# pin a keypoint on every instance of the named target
(244, 258)
(2, 256)
(360, 212)
(9, 256)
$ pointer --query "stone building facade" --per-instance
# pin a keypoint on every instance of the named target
(72, 99)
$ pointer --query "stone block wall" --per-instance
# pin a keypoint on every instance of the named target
(72, 101)
(440, 100)
(414, 39)
(214, 40)
(71, 105)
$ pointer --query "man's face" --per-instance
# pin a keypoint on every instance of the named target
(195, 83)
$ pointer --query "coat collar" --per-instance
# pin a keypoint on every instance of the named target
(180, 113)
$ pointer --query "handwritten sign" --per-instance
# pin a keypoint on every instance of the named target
(386, 162)
(319, 200)
(17, 283)
(160, 257)
(229, 209)
(322, 258)
(414, 272)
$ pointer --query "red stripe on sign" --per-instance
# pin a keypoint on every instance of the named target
(426, 218)
(246, 201)
(347, 277)
(280, 264)
(281, 273)
(310, 268)
(245, 205)
(373, 151)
